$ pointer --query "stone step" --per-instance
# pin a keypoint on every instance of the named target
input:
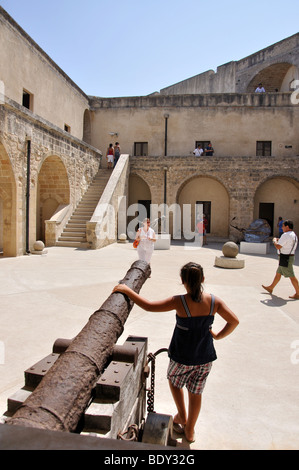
(88, 203)
(77, 217)
(82, 214)
(76, 220)
(71, 244)
(92, 196)
(90, 200)
(75, 226)
(84, 209)
(72, 228)
(65, 238)
(74, 233)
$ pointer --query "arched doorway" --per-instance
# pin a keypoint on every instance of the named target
(214, 200)
(8, 223)
(52, 190)
(277, 197)
(139, 201)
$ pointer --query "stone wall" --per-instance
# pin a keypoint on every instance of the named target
(203, 108)
(25, 66)
(234, 122)
(109, 218)
(61, 168)
(236, 179)
(269, 66)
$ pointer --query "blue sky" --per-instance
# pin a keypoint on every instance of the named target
(136, 47)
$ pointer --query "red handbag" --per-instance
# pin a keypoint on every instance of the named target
(135, 243)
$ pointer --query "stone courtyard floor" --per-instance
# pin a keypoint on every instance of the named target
(251, 397)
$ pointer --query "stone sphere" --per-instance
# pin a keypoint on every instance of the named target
(230, 249)
(38, 245)
(122, 236)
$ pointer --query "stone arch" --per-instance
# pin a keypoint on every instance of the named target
(8, 214)
(272, 77)
(53, 189)
(138, 189)
(283, 193)
(87, 127)
(205, 188)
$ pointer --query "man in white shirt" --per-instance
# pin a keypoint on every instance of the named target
(260, 89)
(287, 245)
(198, 151)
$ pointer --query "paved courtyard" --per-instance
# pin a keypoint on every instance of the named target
(251, 397)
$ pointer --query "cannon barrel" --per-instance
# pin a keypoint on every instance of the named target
(60, 399)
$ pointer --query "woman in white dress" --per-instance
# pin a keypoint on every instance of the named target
(147, 238)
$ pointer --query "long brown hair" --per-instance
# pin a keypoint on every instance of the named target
(192, 275)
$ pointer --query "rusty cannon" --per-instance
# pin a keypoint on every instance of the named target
(90, 385)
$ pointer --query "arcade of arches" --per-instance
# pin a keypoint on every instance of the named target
(277, 196)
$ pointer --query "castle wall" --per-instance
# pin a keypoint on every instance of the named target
(219, 107)
(233, 122)
(27, 67)
(235, 186)
(60, 169)
(268, 66)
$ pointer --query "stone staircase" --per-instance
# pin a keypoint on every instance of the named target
(74, 233)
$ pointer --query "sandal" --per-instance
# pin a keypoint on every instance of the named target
(178, 428)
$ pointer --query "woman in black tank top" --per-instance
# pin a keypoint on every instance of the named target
(191, 349)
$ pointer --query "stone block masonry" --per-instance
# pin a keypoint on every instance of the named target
(236, 178)
(59, 167)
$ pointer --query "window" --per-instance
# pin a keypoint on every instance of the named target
(202, 143)
(140, 149)
(67, 128)
(27, 100)
(263, 148)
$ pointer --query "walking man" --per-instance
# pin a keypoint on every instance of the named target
(287, 245)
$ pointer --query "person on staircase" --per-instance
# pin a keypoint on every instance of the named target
(116, 153)
(110, 156)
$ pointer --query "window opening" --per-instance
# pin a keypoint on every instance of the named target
(263, 148)
(27, 100)
(140, 149)
(202, 143)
